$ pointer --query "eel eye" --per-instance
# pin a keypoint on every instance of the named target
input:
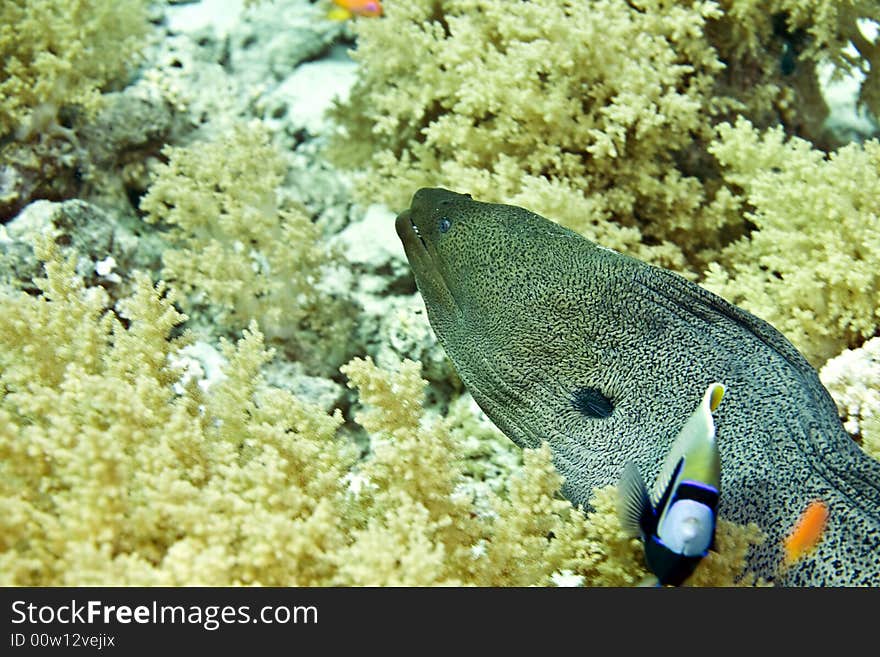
(445, 224)
(592, 403)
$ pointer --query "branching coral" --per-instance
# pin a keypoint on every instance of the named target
(825, 209)
(238, 249)
(415, 471)
(116, 470)
(58, 52)
(111, 473)
(596, 114)
(853, 379)
(485, 100)
(790, 36)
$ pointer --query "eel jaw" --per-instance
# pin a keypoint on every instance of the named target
(413, 243)
(424, 265)
(418, 233)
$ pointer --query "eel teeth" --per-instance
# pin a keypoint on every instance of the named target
(418, 233)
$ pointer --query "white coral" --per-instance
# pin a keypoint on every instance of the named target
(853, 379)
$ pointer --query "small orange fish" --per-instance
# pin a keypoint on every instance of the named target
(346, 9)
(807, 532)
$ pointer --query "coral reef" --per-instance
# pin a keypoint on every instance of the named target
(102, 241)
(56, 52)
(853, 379)
(608, 135)
(111, 456)
(413, 475)
(823, 208)
(237, 248)
(60, 136)
(484, 100)
(615, 137)
(141, 447)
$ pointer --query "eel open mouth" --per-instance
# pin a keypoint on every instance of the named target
(406, 228)
(426, 265)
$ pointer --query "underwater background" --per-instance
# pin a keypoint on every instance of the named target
(215, 366)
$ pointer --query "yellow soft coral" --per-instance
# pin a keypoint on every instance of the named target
(609, 134)
(239, 250)
(520, 551)
(57, 52)
(116, 470)
(812, 267)
(114, 474)
(492, 105)
(807, 31)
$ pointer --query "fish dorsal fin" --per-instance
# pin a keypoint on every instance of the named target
(633, 506)
(697, 431)
(660, 495)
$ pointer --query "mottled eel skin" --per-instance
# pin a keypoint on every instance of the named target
(605, 357)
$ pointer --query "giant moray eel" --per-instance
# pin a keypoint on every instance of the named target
(605, 357)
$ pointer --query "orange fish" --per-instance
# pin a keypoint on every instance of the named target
(346, 9)
(807, 532)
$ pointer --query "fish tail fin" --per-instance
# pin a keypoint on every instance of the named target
(634, 505)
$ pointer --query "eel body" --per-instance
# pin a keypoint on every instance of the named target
(605, 356)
